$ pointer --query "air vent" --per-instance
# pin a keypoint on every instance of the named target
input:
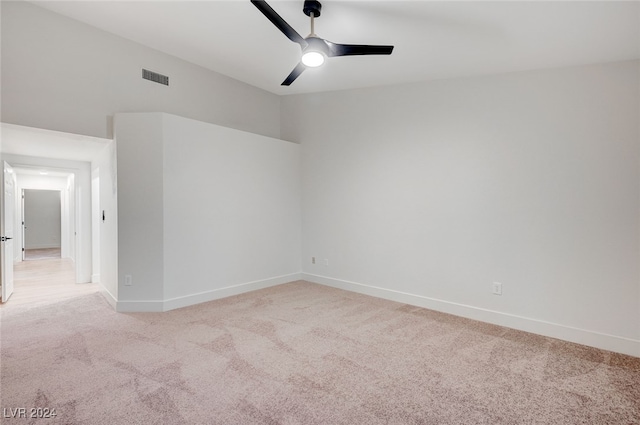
(155, 77)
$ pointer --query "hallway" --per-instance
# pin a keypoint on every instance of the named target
(41, 282)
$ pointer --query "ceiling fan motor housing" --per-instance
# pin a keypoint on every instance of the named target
(316, 44)
(312, 6)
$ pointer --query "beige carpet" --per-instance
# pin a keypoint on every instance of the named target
(301, 354)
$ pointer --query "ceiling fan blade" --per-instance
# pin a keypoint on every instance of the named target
(336, 49)
(279, 22)
(294, 74)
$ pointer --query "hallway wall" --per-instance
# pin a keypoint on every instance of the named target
(42, 218)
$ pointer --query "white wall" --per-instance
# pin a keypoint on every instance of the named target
(80, 215)
(140, 207)
(42, 214)
(213, 212)
(427, 193)
(60, 74)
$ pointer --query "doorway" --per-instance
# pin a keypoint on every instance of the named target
(46, 216)
(63, 162)
(41, 224)
(46, 227)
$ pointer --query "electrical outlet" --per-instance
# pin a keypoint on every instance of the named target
(326, 262)
(313, 260)
(127, 280)
(497, 288)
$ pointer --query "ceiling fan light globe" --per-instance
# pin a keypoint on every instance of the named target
(312, 59)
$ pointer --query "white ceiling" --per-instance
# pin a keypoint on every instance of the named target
(433, 40)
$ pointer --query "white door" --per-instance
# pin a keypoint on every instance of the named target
(6, 230)
(24, 228)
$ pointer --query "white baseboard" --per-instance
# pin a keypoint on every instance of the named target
(553, 330)
(187, 300)
(109, 297)
(44, 246)
(201, 297)
(95, 278)
(154, 306)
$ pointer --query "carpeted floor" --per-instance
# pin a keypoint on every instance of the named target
(300, 354)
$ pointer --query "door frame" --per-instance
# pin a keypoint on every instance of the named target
(64, 220)
(69, 203)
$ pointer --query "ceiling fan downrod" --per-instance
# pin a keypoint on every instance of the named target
(312, 9)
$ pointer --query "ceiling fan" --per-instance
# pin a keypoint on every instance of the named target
(314, 48)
